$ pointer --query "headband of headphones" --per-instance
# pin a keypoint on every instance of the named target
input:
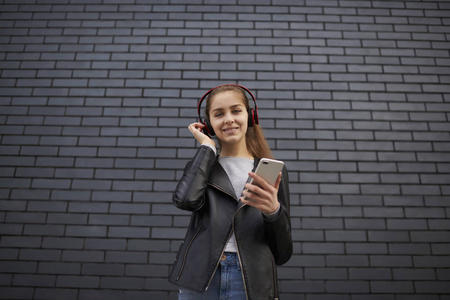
(253, 114)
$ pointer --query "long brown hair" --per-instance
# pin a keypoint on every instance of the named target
(254, 137)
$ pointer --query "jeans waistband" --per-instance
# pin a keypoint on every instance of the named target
(229, 256)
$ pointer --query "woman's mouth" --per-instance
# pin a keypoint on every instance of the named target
(230, 130)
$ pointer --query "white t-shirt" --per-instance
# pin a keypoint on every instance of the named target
(237, 169)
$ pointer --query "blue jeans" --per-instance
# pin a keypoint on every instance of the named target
(227, 283)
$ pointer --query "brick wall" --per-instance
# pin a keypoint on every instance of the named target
(96, 96)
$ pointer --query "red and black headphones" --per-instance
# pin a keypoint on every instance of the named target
(252, 114)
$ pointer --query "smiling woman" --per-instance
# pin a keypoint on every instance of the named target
(229, 119)
(254, 137)
(233, 244)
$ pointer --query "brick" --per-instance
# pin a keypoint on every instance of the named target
(102, 269)
(115, 196)
(88, 207)
(54, 293)
(20, 267)
(149, 245)
(82, 256)
(130, 185)
(130, 208)
(366, 248)
(126, 257)
(390, 261)
(410, 224)
(408, 249)
(367, 200)
(131, 232)
(77, 281)
(360, 223)
(386, 236)
(91, 231)
(347, 287)
(325, 274)
(161, 258)
(151, 220)
(309, 286)
(25, 217)
(370, 273)
(34, 280)
(321, 248)
(338, 145)
(44, 230)
(122, 283)
(145, 270)
(62, 243)
(382, 212)
(97, 293)
(347, 261)
(16, 293)
(434, 287)
(167, 232)
(341, 235)
(11, 229)
(91, 184)
(339, 188)
(157, 284)
(423, 236)
(392, 287)
(425, 190)
(59, 268)
(438, 224)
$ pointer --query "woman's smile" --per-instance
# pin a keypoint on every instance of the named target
(230, 130)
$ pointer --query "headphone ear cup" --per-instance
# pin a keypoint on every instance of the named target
(251, 118)
(208, 130)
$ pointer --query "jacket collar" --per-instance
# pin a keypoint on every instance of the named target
(219, 178)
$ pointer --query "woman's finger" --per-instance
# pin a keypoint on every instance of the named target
(196, 130)
(277, 183)
(256, 189)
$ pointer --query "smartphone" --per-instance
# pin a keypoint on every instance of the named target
(269, 169)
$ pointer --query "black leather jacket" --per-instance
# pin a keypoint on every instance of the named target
(206, 190)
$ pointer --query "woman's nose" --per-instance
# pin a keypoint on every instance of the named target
(228, 118)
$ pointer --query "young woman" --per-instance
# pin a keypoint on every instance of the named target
(238, 231)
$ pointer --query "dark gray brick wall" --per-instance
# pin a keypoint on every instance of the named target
(95, 98)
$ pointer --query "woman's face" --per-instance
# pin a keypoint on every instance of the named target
(228, 117)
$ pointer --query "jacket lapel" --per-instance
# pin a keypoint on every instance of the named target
(219, 179)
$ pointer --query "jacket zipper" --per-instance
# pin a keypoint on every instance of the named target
(187, 250)
(223, 249)
(239, 257)
(217, 265)
(240, 261)
(237, 247)
(275, 284)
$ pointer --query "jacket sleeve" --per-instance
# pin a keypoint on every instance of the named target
(278, 230)
(190, 191)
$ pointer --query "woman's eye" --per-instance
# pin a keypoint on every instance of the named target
(236, 111)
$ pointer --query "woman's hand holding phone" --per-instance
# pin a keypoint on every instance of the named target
(261, 194)
(196, 130)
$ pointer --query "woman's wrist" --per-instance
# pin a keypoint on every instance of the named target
(273, 212)
(213, 147)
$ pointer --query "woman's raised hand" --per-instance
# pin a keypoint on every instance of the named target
(196, 130)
